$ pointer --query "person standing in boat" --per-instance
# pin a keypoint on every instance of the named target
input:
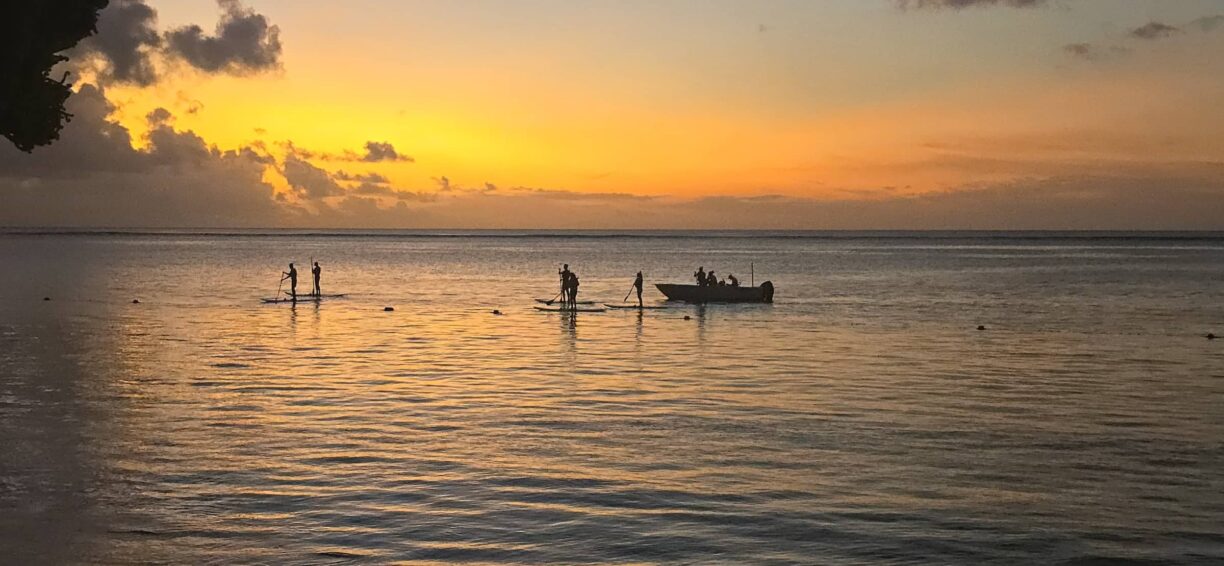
(291, 275)
(317, 272)
(564, 273)
(701, 276)
(711, 279)
(637, 285)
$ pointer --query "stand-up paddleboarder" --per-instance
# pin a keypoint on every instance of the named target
(637, 286)
(564, 273)
(317, 272)
(291, 275)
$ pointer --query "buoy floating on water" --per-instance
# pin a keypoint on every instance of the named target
(1211, 336)
(980, 327)
(388, 309)
(46, 298)
(135, 301)
(687, 317)
(496, 312)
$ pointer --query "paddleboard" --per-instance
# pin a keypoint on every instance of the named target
(302, 298)
(580, 309)
(558, 301)
(635, 307)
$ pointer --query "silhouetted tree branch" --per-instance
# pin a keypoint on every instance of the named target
(32, 33)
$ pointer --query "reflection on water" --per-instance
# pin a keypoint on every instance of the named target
(640, 318)
(862, 418)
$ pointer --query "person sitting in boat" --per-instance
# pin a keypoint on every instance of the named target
(733, 280)
(317, 272)
(711, 280)
(291, 275)
(701, 276)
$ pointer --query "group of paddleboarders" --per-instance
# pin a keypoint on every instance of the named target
(291, 275)
(569, 287)
(710, 280)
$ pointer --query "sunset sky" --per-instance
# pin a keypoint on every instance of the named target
(639, 114)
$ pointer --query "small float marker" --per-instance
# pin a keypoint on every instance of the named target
(687, 317)
(496, 312)
(388, 309)
(135, 301)
(46, 298)
(1210, 336)
(980, 327)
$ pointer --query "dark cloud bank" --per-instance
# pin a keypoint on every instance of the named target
(95, 177)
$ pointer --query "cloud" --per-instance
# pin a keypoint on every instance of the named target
(444, 184)
(89, 144)
(960, 4)
(374, 152)
(388, 191)
(244, 42)
(128, 46)
(310, 181)
(382, 151)
(1147, 32)
(1091, 52)
(1083, 50)
(1208, 23)
(315, 183)
(158, 116)
(1153, 30)
(94, 176)
(126, 40)
(373, 178)
(187, 104)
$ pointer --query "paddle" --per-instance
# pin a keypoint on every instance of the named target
(549, 302)
(278, 287)
(626, 299)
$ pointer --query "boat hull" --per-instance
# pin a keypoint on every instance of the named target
(717, 294)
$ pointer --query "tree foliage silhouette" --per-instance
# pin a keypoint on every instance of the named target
(32, 34)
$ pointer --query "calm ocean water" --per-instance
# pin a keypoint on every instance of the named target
(860, 419)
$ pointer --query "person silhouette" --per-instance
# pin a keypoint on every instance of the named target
(701, 277)
(317, 272)
(573, 291)
(637, 285)
(564, 274)
(291, 275)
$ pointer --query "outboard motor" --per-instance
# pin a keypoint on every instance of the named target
(767, 291)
